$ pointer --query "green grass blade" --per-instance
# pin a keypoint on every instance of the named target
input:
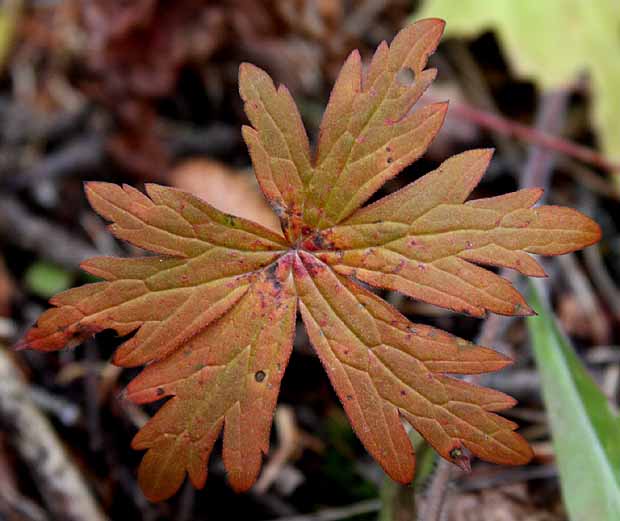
(586, 432)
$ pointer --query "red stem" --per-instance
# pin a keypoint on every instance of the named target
(533, 136)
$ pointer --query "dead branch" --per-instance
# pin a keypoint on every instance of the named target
(62, 487)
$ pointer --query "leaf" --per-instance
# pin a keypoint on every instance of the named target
(541, 50)
(367, 134)
(422, 240)
(278, 145)
(227, 375)
(10, 17)
(214, 311)
(381, 365)
(170, 299)
(586, 433)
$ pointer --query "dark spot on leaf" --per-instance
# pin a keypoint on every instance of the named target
(278, 209)
(319, 241)
(160, 391)
(270, 273)
(259, 376)
(349, 397)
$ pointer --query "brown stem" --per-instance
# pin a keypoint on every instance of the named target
(437, 491)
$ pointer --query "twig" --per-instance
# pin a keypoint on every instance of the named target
(67, 412)
(474, 84)
(186, 502)
(496, 326)
(533, 136)
(358, 22)
(85, 154)
(550, 119)
(603, 281)
(289, 443)
(93, 400)
(30, 232)
(493, 328)
(521, 384)
(586, 176)
(336, 514)
(66, 495)
(586, 298)
(14, 506)
(508, 477)
(437, 491)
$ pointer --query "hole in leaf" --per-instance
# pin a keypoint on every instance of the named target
(260, 376)
(405, 76)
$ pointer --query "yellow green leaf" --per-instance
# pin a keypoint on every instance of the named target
(551, 42)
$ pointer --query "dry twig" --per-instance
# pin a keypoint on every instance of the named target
(62, 487)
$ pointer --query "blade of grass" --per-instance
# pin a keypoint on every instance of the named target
(586, 432)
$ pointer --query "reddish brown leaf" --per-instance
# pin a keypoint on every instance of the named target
(278, 145)
(422, 240)
(214, 312)
(367, 134)
(168, 299)
(381, 364)
(226, 377)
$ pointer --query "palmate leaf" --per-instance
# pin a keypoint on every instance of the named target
(214, 312)
(422, 240)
